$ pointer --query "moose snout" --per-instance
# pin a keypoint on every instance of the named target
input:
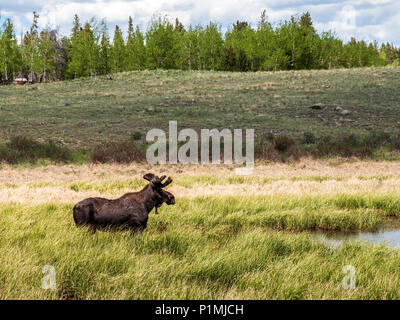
(171, 200)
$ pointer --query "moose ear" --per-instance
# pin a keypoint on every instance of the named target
(149, 177)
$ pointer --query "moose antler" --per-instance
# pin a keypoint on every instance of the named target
(157, 180)
(149, 177)
(167, 182)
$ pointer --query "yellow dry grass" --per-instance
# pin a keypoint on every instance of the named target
(308, 177)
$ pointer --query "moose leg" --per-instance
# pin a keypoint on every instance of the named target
(137, 228)
(92, 229)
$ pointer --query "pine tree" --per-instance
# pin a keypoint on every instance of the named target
(118, 51)
(242, 38)
(266, 54)
(308, 44)
(76, 26)
(178, 47)
(89, 49)
(73, 49)
(135, 49)
(31, 48)
(84, 53)
(105, 59)
(131, 29)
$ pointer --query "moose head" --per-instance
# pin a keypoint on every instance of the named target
(156, 184)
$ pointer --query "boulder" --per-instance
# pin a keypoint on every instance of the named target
(317, 106)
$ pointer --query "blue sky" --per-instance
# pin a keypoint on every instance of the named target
(365, 19)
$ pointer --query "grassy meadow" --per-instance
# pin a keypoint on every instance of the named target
(227, 237)
(82, 112)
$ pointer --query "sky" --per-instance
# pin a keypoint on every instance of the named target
(365, 19)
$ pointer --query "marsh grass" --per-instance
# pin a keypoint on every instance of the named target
(182, 255)
(207, 246)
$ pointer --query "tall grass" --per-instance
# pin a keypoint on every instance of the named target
(236, 245)
(202, 248)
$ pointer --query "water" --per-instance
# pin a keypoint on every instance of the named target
(386, 234)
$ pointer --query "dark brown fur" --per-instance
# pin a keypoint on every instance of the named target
(131, 211)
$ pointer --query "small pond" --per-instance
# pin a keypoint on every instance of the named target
(388, 233)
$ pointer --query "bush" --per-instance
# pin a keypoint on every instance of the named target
(119, 152)
(346, 145)
(326, 146)
(137, 135)
(376, 139)
(265, 150)
(395, 142)
(296, 152)
(308, 138)
(23, 149)
(283, 143)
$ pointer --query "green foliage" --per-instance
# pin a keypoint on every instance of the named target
(46, 54)
(31, 48)
(293, 45)
(105, 58)
(10, 56)
(189, 55)
(160, 44)
(211, 48)
(22, 149)
(135, 49)
(84, 53)
(118, 51)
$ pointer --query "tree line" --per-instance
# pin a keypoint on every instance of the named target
(42, 55)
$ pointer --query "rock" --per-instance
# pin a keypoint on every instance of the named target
(342, 111)
(317, 106)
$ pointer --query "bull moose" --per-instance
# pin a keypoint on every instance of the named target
(129, 212)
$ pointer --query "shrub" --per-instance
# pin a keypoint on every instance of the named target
(137, 135)
(348, 143)
(283, 143)
(119, 152)
(395, 142)
(326, 146)
(376, 139)
(296, 152)
(23, 149)
(265, 150)
(308, 138)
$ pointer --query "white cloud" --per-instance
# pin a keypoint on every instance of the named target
(372, 19)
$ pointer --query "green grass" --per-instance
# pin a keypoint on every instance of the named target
(205, 247)
(84, 111)
(201, 248)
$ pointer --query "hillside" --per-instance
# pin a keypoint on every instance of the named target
(83, 111)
